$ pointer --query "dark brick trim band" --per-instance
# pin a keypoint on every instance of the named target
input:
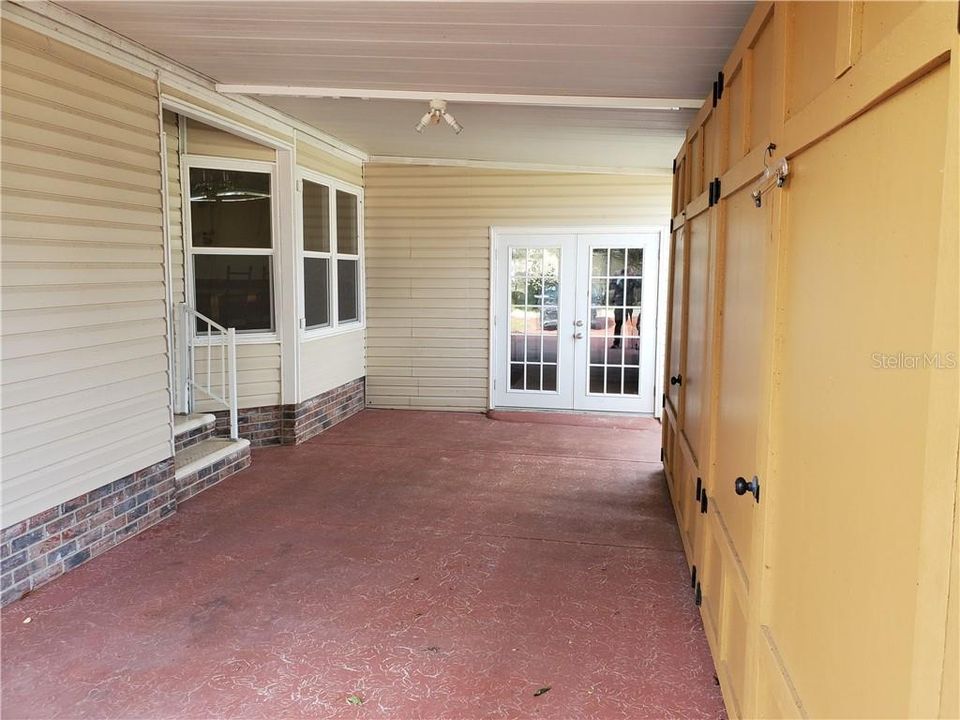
(206, 477)
(197, 435)
(262, 426)
(311, 417)
(292, 424)
(40, 548)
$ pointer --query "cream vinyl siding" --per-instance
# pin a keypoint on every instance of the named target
(171, 129)
(313, 158)
(205, 140)
(328, 362)
(84, 385)
(258, 374)
(428, 265)
(258, 364)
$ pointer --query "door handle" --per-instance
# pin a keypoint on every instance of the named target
(676, 380)
(742, 487)
(578, 323)
(578, 336)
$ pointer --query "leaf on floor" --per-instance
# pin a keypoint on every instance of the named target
(354, 699)
(541, 691)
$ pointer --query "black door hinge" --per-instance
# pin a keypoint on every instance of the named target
(661, 454)
(698, 596)
(693, 577)
(719, 85)
(663, 400)
(713, 192)
(674, 166)
(699, 488)
(671, 224)
(715, 96)
(703, 501)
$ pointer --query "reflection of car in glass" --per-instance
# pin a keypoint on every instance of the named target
(549, 318)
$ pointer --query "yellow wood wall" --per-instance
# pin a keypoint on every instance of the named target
(428, 265)
(85, 397)
(800, 330)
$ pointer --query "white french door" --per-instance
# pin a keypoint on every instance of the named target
(574, 319)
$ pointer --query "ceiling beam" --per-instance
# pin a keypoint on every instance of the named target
(524, 166)
(570, 101)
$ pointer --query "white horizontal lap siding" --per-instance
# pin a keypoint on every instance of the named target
(329, 362)
(428, 265)
(258, 374)
(84, 386)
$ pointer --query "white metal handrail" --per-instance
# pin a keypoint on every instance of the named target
(191, 341)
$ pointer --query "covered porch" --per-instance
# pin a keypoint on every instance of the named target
(402, 564)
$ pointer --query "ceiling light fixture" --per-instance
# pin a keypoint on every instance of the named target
(438, 110)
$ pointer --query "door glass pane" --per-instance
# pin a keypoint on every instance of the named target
(534, 318)
(550, 378)
(347, 233)
(616, 284)
(599, 263)
(234, 290)
(230, 208)
(316, 217)
(617, 260)
(316, 291)
(516, 376)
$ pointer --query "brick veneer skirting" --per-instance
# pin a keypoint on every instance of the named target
(38, 549)
(292, 424)
(311, 417)
(190, 485)
(194, 436)
(262, 426)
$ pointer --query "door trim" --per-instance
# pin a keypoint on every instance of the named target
(496, 231)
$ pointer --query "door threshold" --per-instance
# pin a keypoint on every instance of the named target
(584, 418)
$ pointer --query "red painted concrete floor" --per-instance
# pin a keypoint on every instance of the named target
(432, 565)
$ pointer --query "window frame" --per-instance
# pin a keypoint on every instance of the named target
(335, 326)
(210, 162)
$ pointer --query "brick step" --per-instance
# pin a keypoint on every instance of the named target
(207, 462)
(192, 429)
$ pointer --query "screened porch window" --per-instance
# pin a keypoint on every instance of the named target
(231, 233)
(332, 283)
(348, 258)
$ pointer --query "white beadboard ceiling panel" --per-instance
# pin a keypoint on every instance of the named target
(585, 49)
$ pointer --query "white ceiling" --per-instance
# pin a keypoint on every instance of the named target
(626, 139)
(589, 49)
